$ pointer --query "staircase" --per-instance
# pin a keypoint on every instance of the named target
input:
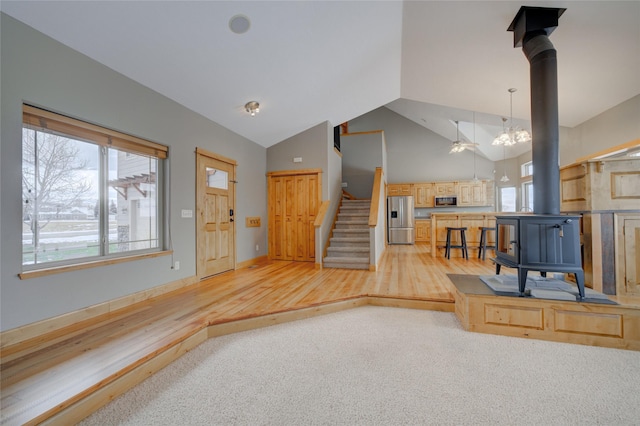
(349, 245)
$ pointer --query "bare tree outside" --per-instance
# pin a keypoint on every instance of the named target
(52, 181)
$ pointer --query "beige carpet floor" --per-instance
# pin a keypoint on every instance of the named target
(384, 366)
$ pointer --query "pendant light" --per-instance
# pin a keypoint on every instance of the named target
(504, 177)
(512, 134)
(475, 176)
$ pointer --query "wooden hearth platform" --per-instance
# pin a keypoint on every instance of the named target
(479, 309)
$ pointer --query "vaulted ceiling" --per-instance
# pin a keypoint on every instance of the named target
(305, 62)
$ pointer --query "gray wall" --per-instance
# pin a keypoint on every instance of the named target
(616, 126)
(39, 70)
(311, 146)
(315, 146)
(416, 154)
(361, 154)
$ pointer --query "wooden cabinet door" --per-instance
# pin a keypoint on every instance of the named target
(423, 231)
(399, 189)
(306, 208)
(294, 199)
(465, 194)
(423, 194)
(445, 188)
(628, 245)
(471, 194)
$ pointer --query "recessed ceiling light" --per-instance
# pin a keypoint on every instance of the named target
(239, 24)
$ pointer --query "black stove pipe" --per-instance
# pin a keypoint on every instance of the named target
(544, 123)
(531, 27)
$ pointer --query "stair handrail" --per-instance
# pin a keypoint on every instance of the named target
(375, 197)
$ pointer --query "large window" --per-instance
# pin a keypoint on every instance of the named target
(527, 191)
(88, 192)
(508, 199)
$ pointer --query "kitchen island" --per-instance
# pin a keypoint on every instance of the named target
(472, 221)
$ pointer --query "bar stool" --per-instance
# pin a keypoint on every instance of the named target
(482, 248)
(463, 243)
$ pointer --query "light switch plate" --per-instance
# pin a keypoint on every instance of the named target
(187, 213)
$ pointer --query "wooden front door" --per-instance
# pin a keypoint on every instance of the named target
(294, 199)
(215, 213)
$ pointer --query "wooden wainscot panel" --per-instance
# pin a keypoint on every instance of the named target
(627, 254)
(574, 188)
(593, 323)
(517, 316)
(462, 309)
(615, 184)
(625, 185)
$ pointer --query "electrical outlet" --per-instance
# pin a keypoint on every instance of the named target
(186, 213)
(257, 247)
(176, 265)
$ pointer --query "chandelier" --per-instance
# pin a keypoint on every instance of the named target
(513, 134)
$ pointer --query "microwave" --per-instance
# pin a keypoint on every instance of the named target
(448, 201)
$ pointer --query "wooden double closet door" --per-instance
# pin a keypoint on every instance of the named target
(294, 199)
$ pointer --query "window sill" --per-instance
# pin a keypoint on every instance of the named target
(86, 265)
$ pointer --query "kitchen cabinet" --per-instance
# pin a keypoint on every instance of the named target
(472, 193)
(399, 189)
(423, 194)
(423, 231)
(445, 188)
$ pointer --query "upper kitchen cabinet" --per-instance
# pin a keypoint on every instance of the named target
(399, 189)
(472, 193)
(445, 188)
(423, 194)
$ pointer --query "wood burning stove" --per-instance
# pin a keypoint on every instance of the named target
(544, 243)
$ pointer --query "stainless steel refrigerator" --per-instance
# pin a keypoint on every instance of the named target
(400, 220)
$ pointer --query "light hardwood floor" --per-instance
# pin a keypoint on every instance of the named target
(46, 376)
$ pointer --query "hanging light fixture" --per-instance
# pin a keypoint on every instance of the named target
(475, 176)
(513, 134)
(457, 145)
(504, 177)
(252, 107)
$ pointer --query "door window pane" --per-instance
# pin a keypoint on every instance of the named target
(217, 178)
